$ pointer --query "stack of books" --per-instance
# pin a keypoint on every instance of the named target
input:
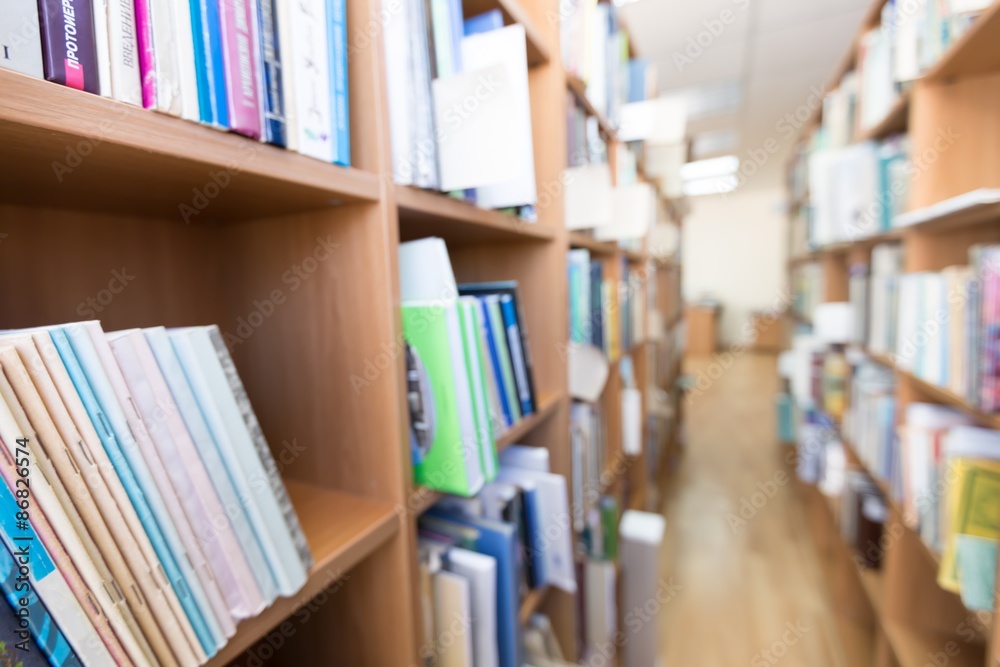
(274, 70)
(479, 558)
(469, 372)
(141, 490)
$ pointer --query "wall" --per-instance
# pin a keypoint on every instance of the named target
(735, 250)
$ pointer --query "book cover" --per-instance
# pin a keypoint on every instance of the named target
(494, 358)
(260, 445)
(503, 350)
(272, 73)
(184, 468)
(126, 75)
(485, 22)
(213, 105)
(69, 48)
(201, 362)
(187, 77)
(147, 54)
(283, 17)
(132, 450)
(166, 56)
(103, 46)
(240, 65)
(517, 355)
(20, 43)
(309, 66)
(467, 307)
(189, 410)
(338, 66)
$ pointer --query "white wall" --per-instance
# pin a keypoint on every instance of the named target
(735, 250)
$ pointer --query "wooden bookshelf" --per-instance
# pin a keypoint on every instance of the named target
(973, 54)
(515, 11)
(579, 89)
(895, 120)
(531, 603)
(598, 248)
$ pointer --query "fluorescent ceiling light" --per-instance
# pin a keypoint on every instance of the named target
(714, 167)
(714, 185)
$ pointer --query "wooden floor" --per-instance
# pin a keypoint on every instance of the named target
(743, 585)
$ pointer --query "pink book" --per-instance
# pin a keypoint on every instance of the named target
(147, 60)
(240, 64)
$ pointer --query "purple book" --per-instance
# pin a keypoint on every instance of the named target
(240, 65)
(69, 50)
(147, 58)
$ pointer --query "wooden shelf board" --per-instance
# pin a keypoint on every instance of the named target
(974, 53)
(581, 240)
(341, 530)
(123, 159)
(514, 12)
(579, 89)
(635, 256)
(532, 601)
(426, 213)
(981, 214)
(422, 498)
(895, 121)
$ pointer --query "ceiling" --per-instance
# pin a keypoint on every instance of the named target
(771, 53)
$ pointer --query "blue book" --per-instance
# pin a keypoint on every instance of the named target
(211, 73)
(514, 342)
(596, 307)
(338, 70)
(275, 126)
(491, 20)
(499, 540)
(80, 359)
(495, 362)
(535, 528)
(18, 646)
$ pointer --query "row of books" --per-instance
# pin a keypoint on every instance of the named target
(274, 70)
(605, 313)
(807, 288)
(858, 190)
(459, 105)
(584, 144)
(469, 371)
(480, 557)
(863, 514)
(139, 484)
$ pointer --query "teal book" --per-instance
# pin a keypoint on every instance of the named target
(503, 352)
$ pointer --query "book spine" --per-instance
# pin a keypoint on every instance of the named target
(275, 129)
(202, 60)
(283, 15)
(185, 53)
(124, 53)
(99, 8)
(341, 113)
(147, 56)
(69, 49)
(240, 67)
(312, 79)
(217, 69)
(20, 43)
(167, 58)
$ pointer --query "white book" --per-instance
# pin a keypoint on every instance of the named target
(211, 457)
(528, 458)
(283, 10)
(641, 537)
(452, 606)
(400, 98)
(20, 38)
(167, 56)
(140, 457)
(211, 387)
(481, 573)
(309, 62)
(600, 603)
(186, 76)
(425, 272)
(102, 44)
(126, 79)
(184, 468)
(257, 54)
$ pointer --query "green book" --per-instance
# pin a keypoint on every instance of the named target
(506, 368)
(467, 307)
(446, 417)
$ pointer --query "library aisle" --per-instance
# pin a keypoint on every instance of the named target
(749, 590)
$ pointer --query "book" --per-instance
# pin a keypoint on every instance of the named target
(501, 339)
(283, 17)
(99, 8)
(213, 103)
(452, 605)
(337, 20)
(126, 75)
(309, 66)
(240, 66)
(187, 76)
(473, 362)
(116, 543)
(147, 53)
(166, 56)
(69, 49)
(485, 22)
(480, 571)
(272, 73)
(20, 41)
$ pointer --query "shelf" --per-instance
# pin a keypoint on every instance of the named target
(427, 213)
(422, 498)
(873, 583)
(603, 248)
(123, 159)
(579, 89)
(532, 601)
(513, 12)
(342, 530)
(974, 53)
(635, 256)
(895, 121)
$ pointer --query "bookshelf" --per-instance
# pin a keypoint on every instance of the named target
(318, 354)
(898, 615)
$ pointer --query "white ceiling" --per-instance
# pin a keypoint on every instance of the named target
(776, 50)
